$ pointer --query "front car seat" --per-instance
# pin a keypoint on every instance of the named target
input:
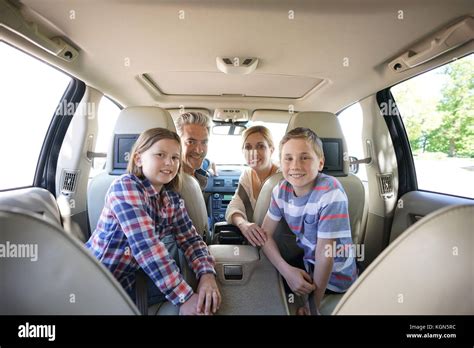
(428, 270)
(52, 273)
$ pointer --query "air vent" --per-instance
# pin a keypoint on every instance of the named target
(227, 61)
(69, 180)
(235, 182)
(247, 61)
(386, 185)
(219, 183)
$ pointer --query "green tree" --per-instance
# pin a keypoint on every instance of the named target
(418, 110)
(455, 135)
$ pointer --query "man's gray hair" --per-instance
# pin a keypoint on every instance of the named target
(192, 118)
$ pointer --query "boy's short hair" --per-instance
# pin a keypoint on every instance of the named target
(143, 143)
(264, 131)
(192, 118)
(306, 134)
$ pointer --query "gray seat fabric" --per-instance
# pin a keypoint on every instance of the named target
(43, 203)
(30, 197)
(96, 191)
(325, 125)
(428, 270)
(65, 279)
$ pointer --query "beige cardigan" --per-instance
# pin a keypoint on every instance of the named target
(236, 205)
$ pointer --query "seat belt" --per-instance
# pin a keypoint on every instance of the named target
(141, 292)
(245, 198)
(141, 287)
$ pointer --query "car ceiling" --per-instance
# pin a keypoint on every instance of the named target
(172, 61)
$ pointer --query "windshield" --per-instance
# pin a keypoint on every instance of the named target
(227, 149)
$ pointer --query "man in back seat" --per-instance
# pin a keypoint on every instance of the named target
(193, 129)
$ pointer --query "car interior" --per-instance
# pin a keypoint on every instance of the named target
(119, 68)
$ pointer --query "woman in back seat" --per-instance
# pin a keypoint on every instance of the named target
(143, 222)
(258, 148)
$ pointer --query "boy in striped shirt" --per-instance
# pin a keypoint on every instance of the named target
(315, 207)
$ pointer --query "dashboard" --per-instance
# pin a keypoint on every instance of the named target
(220, 190)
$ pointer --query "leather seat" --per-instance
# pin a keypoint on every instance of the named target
(60, 278)
(428, 270)
(325, 125)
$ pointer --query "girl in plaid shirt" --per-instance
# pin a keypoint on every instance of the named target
(142, 213)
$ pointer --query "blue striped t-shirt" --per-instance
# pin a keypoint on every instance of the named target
(322, 213)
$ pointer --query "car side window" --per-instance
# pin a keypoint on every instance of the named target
(437, 109)
(107, 115)
(31, 92)
(351, 122)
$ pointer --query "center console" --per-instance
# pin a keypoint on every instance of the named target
(221, 189)
(248, 282)
(218, 203)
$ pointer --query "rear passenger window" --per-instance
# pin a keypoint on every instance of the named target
(106, 118)
(351, 122)
(30, 92)
(437, 109)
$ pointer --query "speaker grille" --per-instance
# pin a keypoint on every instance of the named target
(69, 180)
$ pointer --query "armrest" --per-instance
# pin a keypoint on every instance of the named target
(231, 253)
(235, 262)
(225, 233)
(248, 282)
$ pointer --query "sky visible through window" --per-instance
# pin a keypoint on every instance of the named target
(30, 92)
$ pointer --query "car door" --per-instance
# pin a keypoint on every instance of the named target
(431, 121)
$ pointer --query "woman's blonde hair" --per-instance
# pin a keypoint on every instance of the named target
(143, 143)
(306, 134)
(264, 131)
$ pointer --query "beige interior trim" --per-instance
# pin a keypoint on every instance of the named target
(428, 270)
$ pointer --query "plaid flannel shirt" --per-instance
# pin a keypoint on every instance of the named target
(134, 221)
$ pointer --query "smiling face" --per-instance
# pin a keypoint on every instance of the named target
(300, 165)
(160, 163)
(195, 139)
(258, 152)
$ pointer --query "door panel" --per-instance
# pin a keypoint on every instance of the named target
(433, 127)
(416, 204)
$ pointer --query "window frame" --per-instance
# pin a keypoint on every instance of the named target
(45, 175)
(408, 180)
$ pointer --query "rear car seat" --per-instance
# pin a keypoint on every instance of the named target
(327, 127)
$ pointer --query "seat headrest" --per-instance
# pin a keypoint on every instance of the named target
(130, 123)
(327, 127)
